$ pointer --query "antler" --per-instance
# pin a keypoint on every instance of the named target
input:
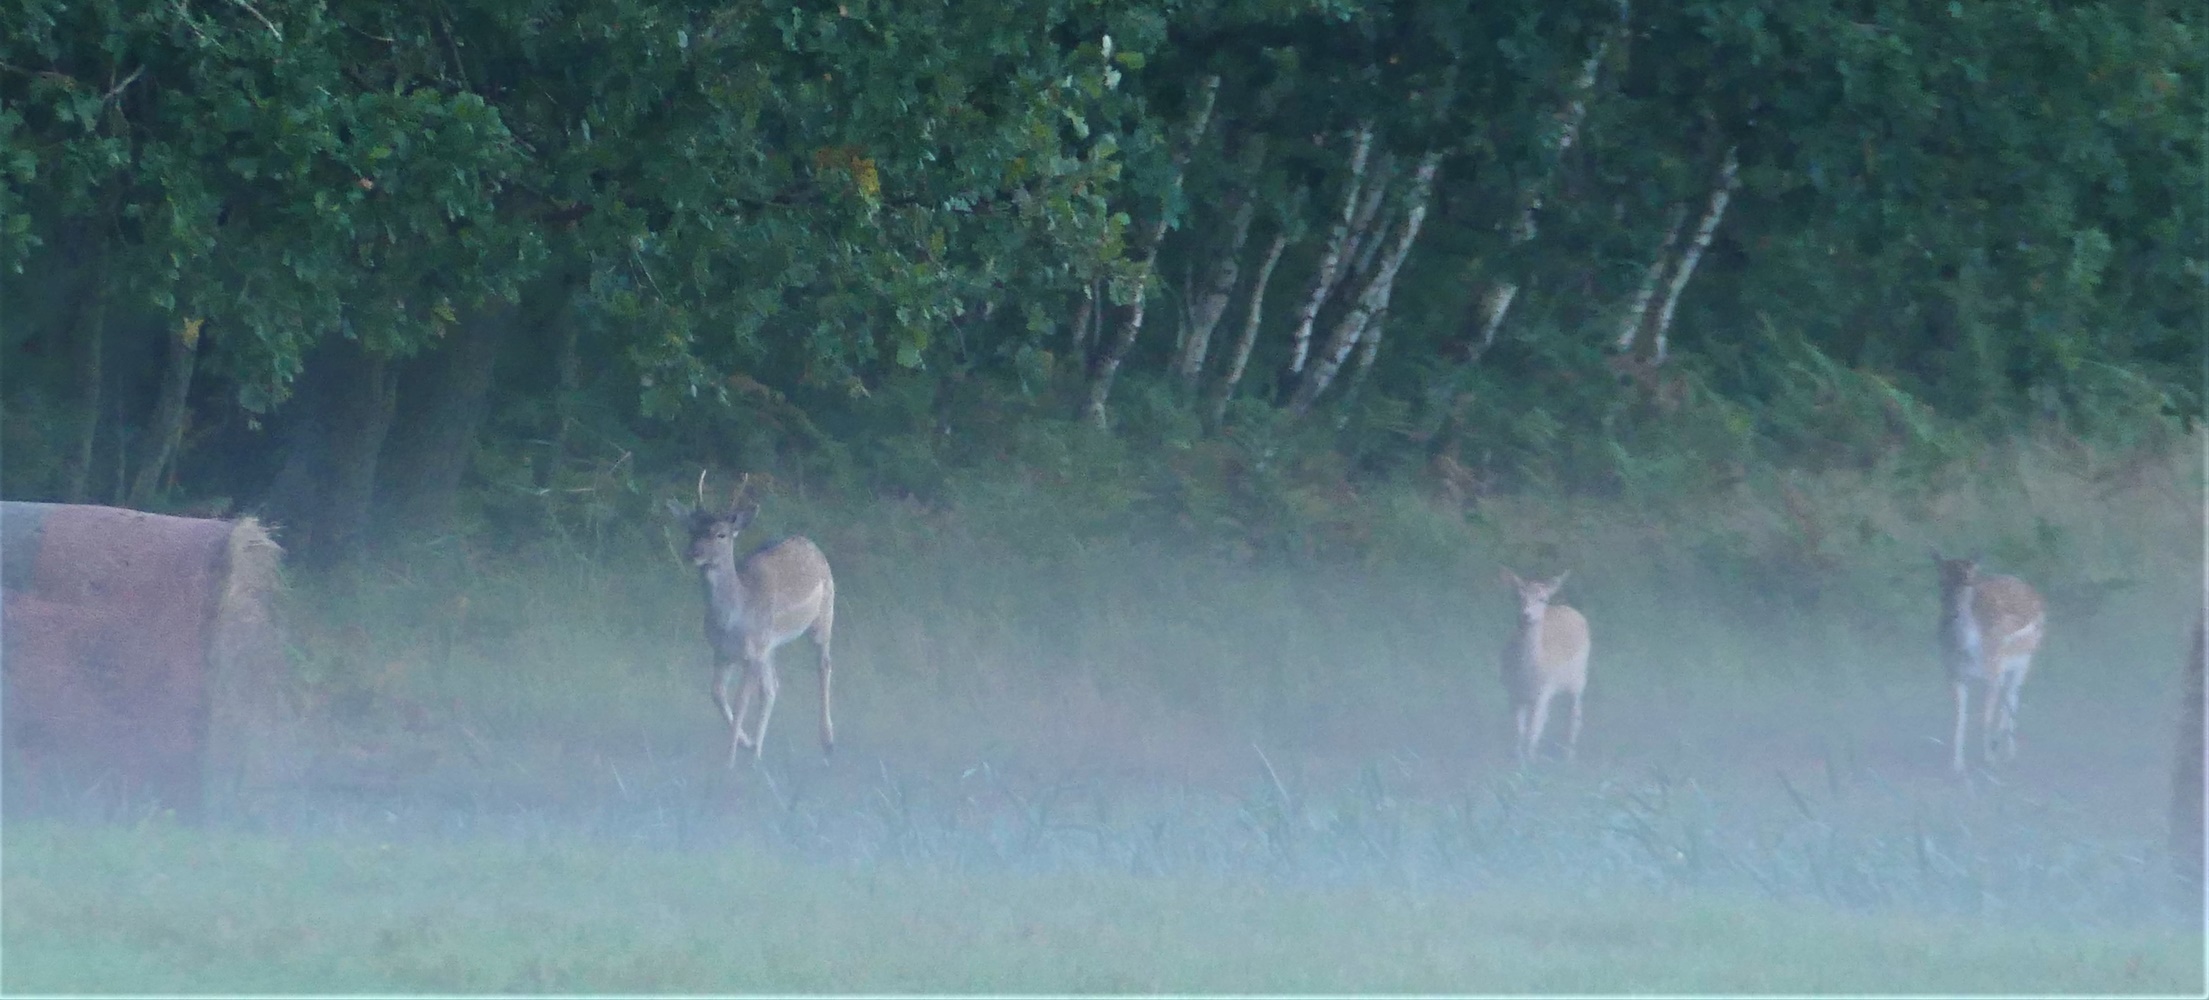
(741, 492)
(701, 487)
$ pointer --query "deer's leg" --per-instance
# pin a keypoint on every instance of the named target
(1541, 721)
(1572, 732)
(828, 724)
(722, 674)
(2013, 682)
(821, 630)
(1990, 718)
(737, 739)
(763, 667)
(1963, 711)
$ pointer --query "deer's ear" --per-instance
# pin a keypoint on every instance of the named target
(678, 509)
(1509, 578)
(1559, 580)
(741, 517)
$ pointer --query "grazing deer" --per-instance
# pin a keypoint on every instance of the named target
(1547, 656)
(1990, 627)
(754, 605)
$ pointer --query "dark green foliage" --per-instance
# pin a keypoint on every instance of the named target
(848, 242)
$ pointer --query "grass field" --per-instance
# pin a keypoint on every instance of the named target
(164, 910)
(1081, 762)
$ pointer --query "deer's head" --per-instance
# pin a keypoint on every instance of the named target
(1956, 575)
(713, 533)
(1534, 595)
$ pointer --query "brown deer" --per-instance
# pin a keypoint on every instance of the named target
(755, 604)
(1991, 626)
(1547, 656)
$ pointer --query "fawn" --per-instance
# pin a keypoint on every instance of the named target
(754, 605)
(1547, 656)
(1991, 626)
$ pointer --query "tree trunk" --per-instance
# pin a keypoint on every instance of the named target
(568, 373)
(1330, 258)
(363, 421)
(326, 488)
(1364, 243)
(1107, 367)
(165, 432)
(1211, 307)
(89, 350)
(1085, 320)
(1369, 349)
(1729, 177)
(1495, 304)
(1636, 319)
(1108, 364)
(1374, 299)
(1240, 359)
(432, 445)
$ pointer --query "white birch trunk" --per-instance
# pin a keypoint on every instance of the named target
(1084, 320)
(1637, 308)
(1496, 303)
(1364, 243)
(1240, 359)
(1369, 348)
(1729, 177)
(1108, 365)
(1374, 299)
(1205, 316)
(1300, 339)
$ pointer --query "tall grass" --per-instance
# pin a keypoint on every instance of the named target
(1040, 612)
(155, 909)
(1124, 736)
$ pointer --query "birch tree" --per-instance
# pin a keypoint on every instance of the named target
(1373, 299)
(1108, 363)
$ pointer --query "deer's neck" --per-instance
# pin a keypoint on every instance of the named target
(727, 594)
(1526, 646)
(1960, 625)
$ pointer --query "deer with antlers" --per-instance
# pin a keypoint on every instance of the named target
(755, 604)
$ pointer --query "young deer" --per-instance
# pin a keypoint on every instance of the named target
(755, 604)
(1990, 627)
(1547, 656)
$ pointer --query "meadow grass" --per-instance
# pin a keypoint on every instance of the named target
(993, 630)
(1078, 756)
(158, 909)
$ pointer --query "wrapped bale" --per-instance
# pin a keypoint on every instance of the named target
(141, 656)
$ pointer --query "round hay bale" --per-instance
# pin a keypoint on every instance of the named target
(141, 656)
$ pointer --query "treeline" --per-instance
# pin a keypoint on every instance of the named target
(368, 267)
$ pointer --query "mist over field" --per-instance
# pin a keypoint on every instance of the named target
(1165, 392)
(1121, 765)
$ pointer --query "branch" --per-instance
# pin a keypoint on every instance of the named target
(127, 81)
(256, 12)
